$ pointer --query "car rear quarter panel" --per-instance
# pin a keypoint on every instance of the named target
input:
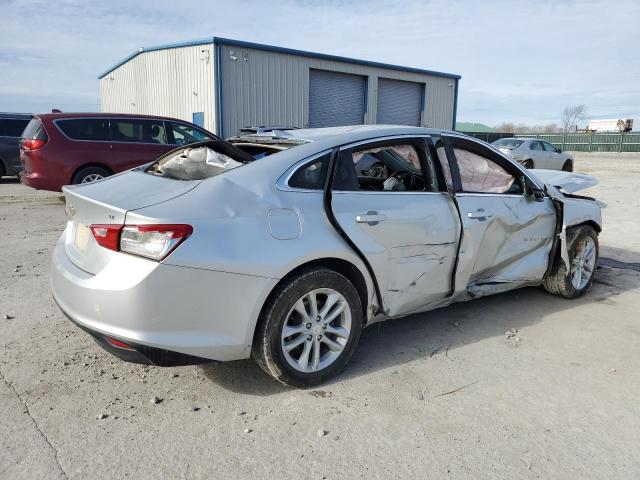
(235, 230)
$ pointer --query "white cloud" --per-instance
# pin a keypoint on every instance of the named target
(520, 61)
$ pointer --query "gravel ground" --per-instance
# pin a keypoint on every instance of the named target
(542, 387)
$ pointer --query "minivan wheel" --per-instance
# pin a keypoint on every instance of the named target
(568, 166)
(90, 174)
(309, 328)
(583, 249)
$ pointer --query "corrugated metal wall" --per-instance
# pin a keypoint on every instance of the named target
(263, 87)
(259, 87)
(175, 82)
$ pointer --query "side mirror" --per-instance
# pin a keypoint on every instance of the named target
(534, 192)
(558, 150)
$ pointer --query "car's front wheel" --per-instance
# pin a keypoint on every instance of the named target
(583, 249)
(309, 328)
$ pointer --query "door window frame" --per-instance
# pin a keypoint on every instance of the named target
(423, 145)
(171, 140)
(536, 142)
(454, 141)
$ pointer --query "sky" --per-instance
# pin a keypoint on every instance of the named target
(520, 62)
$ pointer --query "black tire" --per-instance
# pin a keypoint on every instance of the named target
(528, 164)
(568, 166)
(558, 282)
(85, 172)
(267, 345)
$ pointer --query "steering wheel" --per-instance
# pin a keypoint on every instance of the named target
(407, 178)
(376, 170)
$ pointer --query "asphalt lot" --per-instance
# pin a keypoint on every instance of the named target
(559, 399)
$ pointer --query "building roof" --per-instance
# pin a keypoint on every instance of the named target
(473, 127)
(271, 48)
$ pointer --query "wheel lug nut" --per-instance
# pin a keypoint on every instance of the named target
(324, 326)
(309, 338)
(319, 337)
(318, 318)
(308, 325)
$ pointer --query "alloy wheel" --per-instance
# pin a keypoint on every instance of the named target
(583, 264)
(316, 330)
(92, 177)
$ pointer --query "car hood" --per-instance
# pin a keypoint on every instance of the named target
(569, 182)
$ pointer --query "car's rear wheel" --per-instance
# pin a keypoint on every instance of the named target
(528, 164)
(90, 174)
(568, 166)
(583, 249)
(309, 328)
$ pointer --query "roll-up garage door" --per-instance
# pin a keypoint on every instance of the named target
(399, 102)
(335, 99)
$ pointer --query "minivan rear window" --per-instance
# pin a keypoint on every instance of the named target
(85, 128)
(35, 130)
(12, 127)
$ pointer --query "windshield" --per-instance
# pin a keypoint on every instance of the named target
(510, 143)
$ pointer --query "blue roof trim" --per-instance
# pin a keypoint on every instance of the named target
(289, 51)
(202, 41)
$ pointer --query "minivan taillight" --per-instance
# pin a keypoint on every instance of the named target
(33, 143)
(155, 242)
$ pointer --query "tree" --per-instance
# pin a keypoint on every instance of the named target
(505, 127)
(571, 115)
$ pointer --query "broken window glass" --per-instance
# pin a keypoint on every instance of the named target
(193, 164)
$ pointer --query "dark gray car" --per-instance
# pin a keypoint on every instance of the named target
(11, 127)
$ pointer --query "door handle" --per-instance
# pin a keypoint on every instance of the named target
(479, 214)
(370, 218)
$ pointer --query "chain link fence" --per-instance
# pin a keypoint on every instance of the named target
(575, 142)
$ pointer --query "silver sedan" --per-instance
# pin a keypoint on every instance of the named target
(283, 246)
(534, 153)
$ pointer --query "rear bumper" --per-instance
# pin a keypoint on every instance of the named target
(141, 353)
(162, 310)
(40, 182)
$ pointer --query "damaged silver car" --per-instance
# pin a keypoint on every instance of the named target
(283, 246)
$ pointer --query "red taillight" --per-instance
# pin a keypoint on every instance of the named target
(107, 236)
(33, 143)
(118, 344)
(149, 241)
(153, 241)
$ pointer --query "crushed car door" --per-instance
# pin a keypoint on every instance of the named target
(508, 230)
(388, 198)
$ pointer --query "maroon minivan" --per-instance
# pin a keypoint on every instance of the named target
(59, 149)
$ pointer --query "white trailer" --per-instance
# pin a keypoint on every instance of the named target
(611, 125)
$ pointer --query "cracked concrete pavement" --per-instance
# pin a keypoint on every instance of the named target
(442, 394)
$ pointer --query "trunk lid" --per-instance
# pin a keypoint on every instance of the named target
(107, 202)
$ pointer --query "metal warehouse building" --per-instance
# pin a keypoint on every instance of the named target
(224, 84)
